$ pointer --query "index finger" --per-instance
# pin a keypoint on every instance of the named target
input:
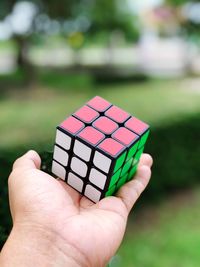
(130, 192)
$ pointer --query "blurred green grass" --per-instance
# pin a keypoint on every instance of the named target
(167, 235)
(30, 115)
(7, 45)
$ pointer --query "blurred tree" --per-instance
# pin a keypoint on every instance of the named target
(113, 15)
(176, 2)
(60, 9)
(22, 17)
(19, 17)
(5, 8)
(189, 17)
(110, 22)
(72, 19)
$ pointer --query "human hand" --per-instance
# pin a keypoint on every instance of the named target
(58, 226)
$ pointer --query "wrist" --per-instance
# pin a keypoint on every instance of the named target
(32, 245)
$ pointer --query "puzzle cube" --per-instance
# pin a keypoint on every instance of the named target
(97, 149)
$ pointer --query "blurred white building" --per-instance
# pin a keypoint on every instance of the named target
(163, 57)
(161, 51)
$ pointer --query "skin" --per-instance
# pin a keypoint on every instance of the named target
(53, 225)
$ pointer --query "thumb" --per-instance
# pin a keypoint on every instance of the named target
(30, 160)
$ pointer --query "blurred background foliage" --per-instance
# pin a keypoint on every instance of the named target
(141, 55)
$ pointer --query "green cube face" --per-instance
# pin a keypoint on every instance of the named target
(126, 164)
(97, 148)
(128, 169)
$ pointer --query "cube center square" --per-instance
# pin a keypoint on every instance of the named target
(97, 148)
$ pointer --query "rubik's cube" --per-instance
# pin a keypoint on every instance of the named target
(97, 149)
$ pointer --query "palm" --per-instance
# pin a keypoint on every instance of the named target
(96, 230)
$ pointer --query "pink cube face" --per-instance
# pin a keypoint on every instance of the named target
(125, 136)
(72, 125)
(99, 104)
(105, 125)
(112, 147)
(86, 114)
(91, 135)
(117, 114)
(136, 125)
(97, 149)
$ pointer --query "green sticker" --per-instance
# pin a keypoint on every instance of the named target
(111, 191)
(144, 139)
(132, 172)
(114, 178)
(120, 161)
(132, 150)
(122, 181)
(126, 167)
(138, 154)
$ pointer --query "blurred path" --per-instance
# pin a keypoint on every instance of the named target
(7, 62)
(157, 58)
(86, 56)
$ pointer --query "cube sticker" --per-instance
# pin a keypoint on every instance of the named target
(79, 167)
(60, 156)
(75, 182)
(92, 193)
(111, 147)
(102, 162)
(117, 114)
(126, 167)
(91, 135)
(86, 114)
(106, 125)
(122, 181)
(82, 150)
(99, 104)
(97, 149)
(111, 191)
(125, 136)
(63, 140)
(58, 170)
(100, 182)
(114, 178)
(71, 125)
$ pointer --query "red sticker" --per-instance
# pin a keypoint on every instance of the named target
(105, 125)
(91, 135)
(111, 146)
(99, 104)
(125, 136)
(136, 125)
(117, 114)
(86, 114)
(72, 125)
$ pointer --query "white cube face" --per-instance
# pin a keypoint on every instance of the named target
(97, 178)
(79, 167)
(63, 140)
(82, 150)
(92, 193)
(61, 156)
(102, 162)
(58, 170)
(75, 182)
